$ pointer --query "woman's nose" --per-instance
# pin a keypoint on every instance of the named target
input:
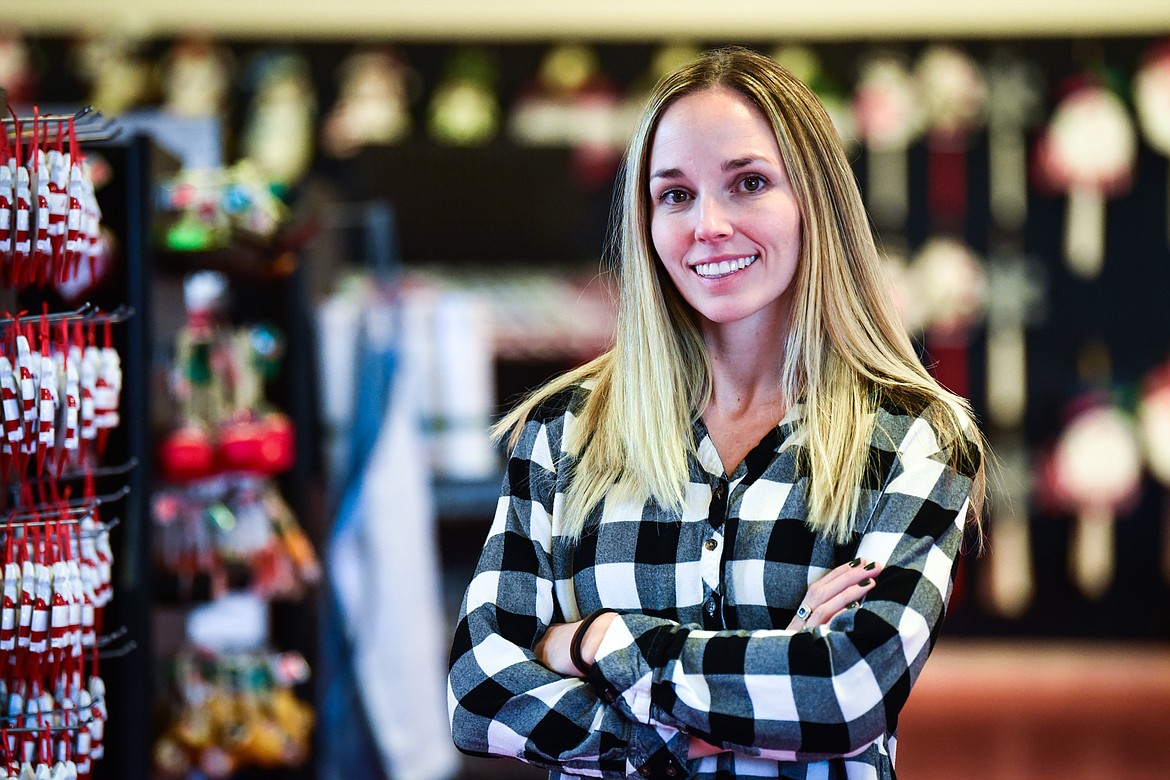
(713, 222)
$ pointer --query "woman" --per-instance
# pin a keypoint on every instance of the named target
(757, 496)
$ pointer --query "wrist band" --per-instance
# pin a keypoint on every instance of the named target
(579, 639)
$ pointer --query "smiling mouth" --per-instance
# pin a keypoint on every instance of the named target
(724, 267)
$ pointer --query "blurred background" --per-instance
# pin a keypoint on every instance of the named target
(326, 246)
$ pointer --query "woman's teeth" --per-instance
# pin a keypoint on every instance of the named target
(723, 267)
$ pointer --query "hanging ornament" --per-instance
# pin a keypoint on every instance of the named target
(1088, 151)
(1151, 94)
(278, 136)
(1014, 97)
(803, 62)
(950, 291)
(373, 107)
(887, 110)
(196, 78)
(464, 109)
(1154, 427)
(573, 104)
(1096, 473)
(1010, 584)
(1015, 299)
(954, 99)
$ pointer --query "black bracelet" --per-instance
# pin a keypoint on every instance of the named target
(579, 638)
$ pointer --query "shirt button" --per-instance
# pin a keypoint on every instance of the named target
(671, 770)
(711, 607)
(720, 491)
(644, 771)
(711, 544)
(609, 695)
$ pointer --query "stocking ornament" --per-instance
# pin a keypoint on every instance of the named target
(1088, 151)
(886, 109)
(1151, 93)
(950, 289)
(954, 94)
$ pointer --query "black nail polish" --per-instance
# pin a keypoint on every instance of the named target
(854, 562)
(854, 605)
(870, 566)
(866, 582)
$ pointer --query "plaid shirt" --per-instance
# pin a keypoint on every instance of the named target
(700, 646)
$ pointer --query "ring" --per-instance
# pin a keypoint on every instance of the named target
(804, 613)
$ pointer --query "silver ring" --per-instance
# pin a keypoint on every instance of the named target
(804, 613)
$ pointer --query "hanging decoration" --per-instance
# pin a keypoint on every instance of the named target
(1154, 427)
(464, 109)
(1151, 94)
(1088, 150)
(373, 107)
(573, 104)
(278, 134)
(887, 110)
(1095, 473)
(221, 508)
(803, 62)
(234, 711)
(1014, 101)
(954, 99)
(196, 78)
(948, 296)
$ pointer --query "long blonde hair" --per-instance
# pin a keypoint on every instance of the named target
(845, 348)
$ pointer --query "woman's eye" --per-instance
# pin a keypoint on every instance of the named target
(753, 183)
(673, 197)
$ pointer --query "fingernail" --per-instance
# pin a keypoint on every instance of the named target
(866, 582)
(870, 566)
(855, 561)
(854, 605)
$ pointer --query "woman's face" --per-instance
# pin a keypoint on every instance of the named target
(723, 218)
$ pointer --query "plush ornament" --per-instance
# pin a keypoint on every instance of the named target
(373, 107)
(119, 72)
(950, 286)
(18, 73)
(888, 113)
(573, 104)
(1151, 94)
(1088, 151)
(1096, 473)
(196, 78)
(954, 94)
(278, 136)
(464, 110)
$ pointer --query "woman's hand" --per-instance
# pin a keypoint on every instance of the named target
(553, 648)
(842, 588)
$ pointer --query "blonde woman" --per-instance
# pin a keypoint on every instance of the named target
(725, 547)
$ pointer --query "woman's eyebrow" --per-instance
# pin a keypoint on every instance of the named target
(741, 162)
(667, 173)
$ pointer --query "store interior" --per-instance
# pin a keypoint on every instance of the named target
(325, 248)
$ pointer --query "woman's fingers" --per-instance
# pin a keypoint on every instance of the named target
(835, 591)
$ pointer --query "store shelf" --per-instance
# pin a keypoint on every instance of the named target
(610, 19)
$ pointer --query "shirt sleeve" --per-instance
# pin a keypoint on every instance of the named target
(502, 701)
(827, 692)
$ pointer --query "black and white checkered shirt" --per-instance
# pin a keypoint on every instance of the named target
(700, 646)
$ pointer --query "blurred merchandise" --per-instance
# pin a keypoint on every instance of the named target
(233, 710)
